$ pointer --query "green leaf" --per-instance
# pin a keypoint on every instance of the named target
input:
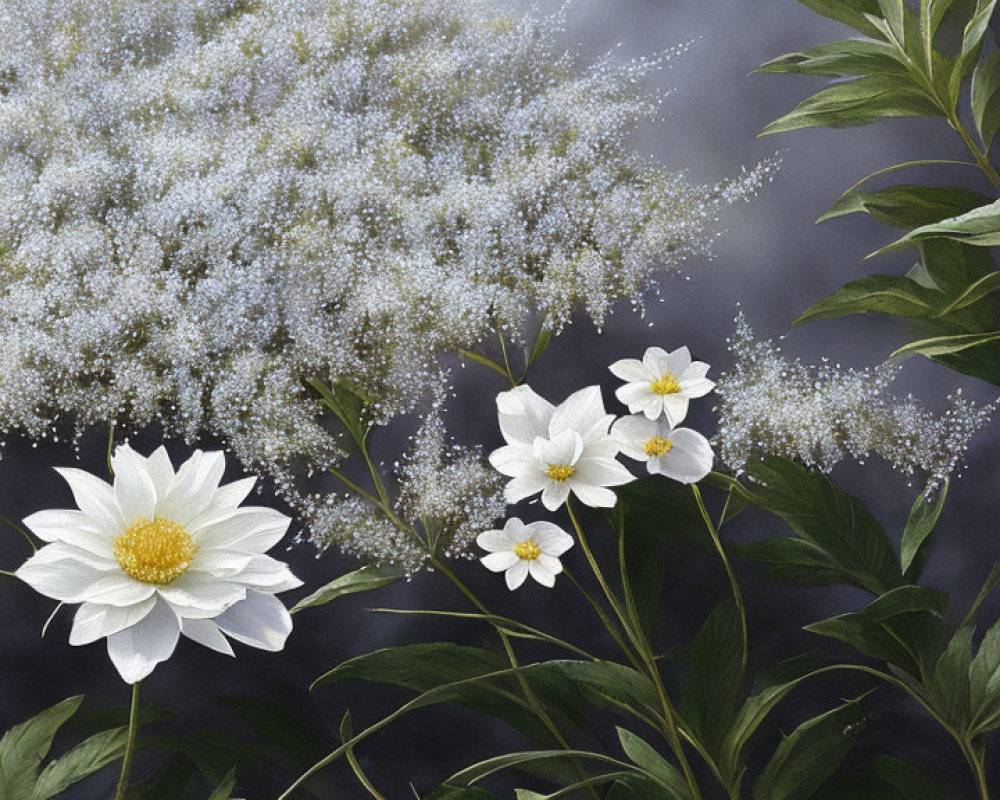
(857, 102)
(850, 12)
(984, 666)
(923, 517)
(460, 793)
(823, 514)
(24, 747)
(809, 755)
(908, 206)
(348, 403)
(361, 580)
(85, 759)
(542, 342)
(713, 679)
(910, 782)
(878, 294)
(985, 102)
(972, 39)
(950, 686)
(846, 58)
(797, 562)
(979, 227)
(867, 637)
(646, 758)
(947, 345)
(975, 292)
(225, 788)
(555, 765)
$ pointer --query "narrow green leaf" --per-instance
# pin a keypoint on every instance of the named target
(903, 600)
(847, 58)
(798, 562)
(347, 403)
(225, 789)
(893, 12)
(850, 12)
(361, 580)
(555, 760)
(985, 102)
(867, 637)
(825, 515)
(979, 227)
(645, 757)
(486, 362)
(938, 9)
(984, 287)
(947, 345)
(877, 294)
(923, 517)
(542, 342)
(85, 759)
(984, 667)
(910, 782)
(908, 206)
(950, 686)
(24, 746)
(809, 755)
(460, 793)
(972, 39)
(857, 102)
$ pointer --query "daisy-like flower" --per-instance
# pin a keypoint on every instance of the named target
(679, 453)
(520, 550)
(558, 450)
(662, 383)
(159, 554)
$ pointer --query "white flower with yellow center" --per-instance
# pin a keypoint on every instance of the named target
(679, 453)
(662, 383)
(159, 554)
(558, 450)
(520, 550)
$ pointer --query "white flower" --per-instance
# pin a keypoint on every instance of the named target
(679, 453)
(556, 450)
(520, 550)
(662, 383)
(158, 554)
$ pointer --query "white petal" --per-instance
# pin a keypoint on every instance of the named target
(632, 370)
(696, 387)
(601, 472)
(513, 460)
(224, 501)
(135, 651)
(698, 369)
(563, 448)
(196, 481)
(259, 621)
(134, 489)
(675, 407)
(555, 494)
(678, 361)
(551, 563)
(192, 590)
(269, 574)
(583, 412)
(540, 574)
(95, 498)
(550, 538)
(495, 541)
(220, 563)
(60, 551)
(64, 579)
(250, 529)
(117, 589)
(635, 396)
(657, 361)
(688, 461)
(206, 632)
(498, 562)
(71, 527)
(595, 496)
(631, 433)
(524, 486)
(160, 470)
(94, 621)
(515, 575)
(523, 415)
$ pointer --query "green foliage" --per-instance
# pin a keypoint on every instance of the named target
(360, 580)
(920, 525)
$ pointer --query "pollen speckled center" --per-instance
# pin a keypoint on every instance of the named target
(657, 446)
(529, 551)
(155, 551)
(560, 472)
(667, 384)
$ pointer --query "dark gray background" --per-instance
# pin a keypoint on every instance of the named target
(772, 260)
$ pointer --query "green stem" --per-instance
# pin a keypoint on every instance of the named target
(671, 729)
(27, 536)
(976, 764)
(605, 620)
(111, 445)
(133, 727)
(8, 573)
(737, 592)
(506, 360)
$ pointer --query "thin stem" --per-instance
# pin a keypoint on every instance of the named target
(6, 572)
(976, 764)
(27, 536)
(737, 592)
(360, 774)
(670, 715)
(605, 620)
(133, 727)
(506, 360)
(111, 444)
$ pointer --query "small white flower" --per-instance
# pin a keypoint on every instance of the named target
(520, 550)
(662, 383)
(159, 554)
(679, 453)
(556, 450)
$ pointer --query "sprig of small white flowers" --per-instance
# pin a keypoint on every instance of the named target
(571, 449)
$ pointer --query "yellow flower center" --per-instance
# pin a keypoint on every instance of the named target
(529, 551)
(560, 472)
(155, 551)
(658, 446)
(666, 385)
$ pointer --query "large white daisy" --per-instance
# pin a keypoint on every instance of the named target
(662, 383)
(556, 450)
(520, 550)
(678, 453)
(159, 554)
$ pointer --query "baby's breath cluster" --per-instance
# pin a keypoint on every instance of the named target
(206, 202)
(772, 405)
(446, 498)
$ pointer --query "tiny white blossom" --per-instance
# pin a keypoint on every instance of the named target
(662, 383)
(681, 454)
(558, 450)
(520, 550)
(160, 554)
